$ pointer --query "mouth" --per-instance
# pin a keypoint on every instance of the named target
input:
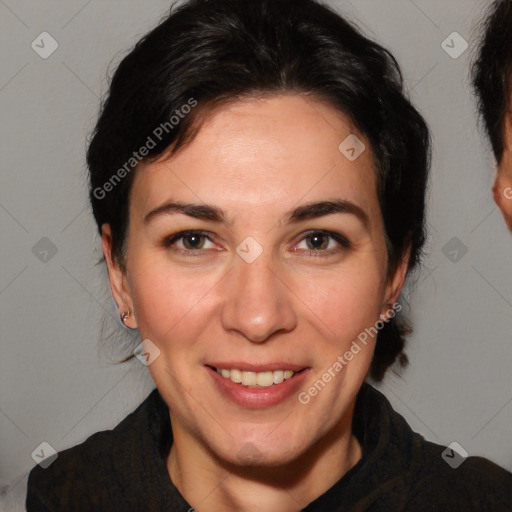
(257, 379)
(257, 386)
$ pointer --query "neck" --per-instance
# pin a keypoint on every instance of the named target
(213, 485)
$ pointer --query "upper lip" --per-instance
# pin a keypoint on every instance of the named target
(256, 367)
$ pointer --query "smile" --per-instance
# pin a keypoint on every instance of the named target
(256, 379)
(258, 385)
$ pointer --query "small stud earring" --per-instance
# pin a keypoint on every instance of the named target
(123, 316)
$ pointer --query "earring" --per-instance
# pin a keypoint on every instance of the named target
(123, 316)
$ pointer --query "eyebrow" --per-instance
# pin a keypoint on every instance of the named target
(301, 213)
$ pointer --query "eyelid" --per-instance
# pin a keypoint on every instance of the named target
(338, 237)
(343, 242)
(171, 239)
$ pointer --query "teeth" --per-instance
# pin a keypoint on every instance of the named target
(236, 375)
(257, 379)
(249, 378)
(278, 376)
(265, 379)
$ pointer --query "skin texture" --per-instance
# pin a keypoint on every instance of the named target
(502, 189)
(257, 159)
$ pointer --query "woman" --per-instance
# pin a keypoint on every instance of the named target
(258, 180)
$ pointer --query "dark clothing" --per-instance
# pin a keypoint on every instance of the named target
(124, 470)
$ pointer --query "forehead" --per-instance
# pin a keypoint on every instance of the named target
(264, 153)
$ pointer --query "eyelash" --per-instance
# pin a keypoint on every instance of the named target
(169, 241)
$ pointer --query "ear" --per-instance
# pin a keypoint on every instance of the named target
(502, 189)
(117, 278)
(508, 130)
(395, 284)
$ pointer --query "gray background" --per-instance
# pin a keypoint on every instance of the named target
(57, 380)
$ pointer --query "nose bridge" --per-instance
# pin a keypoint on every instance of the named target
(256, 303)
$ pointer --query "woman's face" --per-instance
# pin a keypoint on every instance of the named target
(264, 281)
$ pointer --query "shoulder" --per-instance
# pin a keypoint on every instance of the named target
(447, 481)
(419, 475)
(72, 473)
(94, 472)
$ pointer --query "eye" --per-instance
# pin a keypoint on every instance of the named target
(323, 243)
(188, 242)
(314, 243)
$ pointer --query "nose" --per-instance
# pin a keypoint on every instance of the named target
(257, 303)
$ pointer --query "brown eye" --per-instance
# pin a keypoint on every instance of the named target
(188, 241)
(320, 243)
(193, 241)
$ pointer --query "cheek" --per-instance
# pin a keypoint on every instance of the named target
(174, 306)
(168, 302)
(347, 301)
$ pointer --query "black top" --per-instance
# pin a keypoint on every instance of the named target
(124, 470)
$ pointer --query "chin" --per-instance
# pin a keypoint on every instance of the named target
(262, 450)
(251, 454)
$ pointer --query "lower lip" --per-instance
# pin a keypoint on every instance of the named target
(259, 398)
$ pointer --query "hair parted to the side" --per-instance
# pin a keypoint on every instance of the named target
(220, 51)
(492, 72)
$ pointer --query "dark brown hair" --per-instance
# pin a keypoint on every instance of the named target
(209, 52)
(492, 72)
